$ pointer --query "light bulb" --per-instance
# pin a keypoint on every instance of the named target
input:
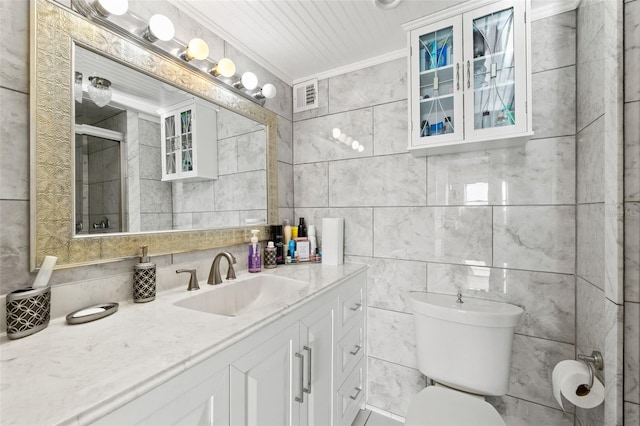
(269, 91)
(111, 7)
(77, 89)
(348, 141)
(99, 91)
(361, 148)
(355, 145)
(160, 28)
(249, 80)
(225, 67)
(336, 133)
(197, 49)
(342, 137)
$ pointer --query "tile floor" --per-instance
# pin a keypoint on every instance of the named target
(369, 418)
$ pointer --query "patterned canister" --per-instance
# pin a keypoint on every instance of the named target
(144, 279)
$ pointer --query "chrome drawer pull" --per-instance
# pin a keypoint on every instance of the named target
(354, 397)
(355, 352)
(300, 398)
(356, 306)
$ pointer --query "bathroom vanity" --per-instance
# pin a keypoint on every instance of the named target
(293, 355)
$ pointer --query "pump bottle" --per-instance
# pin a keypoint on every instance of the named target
(254, 261)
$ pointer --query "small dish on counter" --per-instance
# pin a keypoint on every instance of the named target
(92, 313)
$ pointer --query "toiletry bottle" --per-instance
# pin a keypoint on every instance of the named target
(486, 120)
(287, 232)
(270, 256)
(254, 263)
(302, 228)
(294, 232)
(144, 279)
(292, 251)
(313, 241)
(279, 242)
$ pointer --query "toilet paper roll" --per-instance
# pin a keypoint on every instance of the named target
(333, 241)
(568, 380)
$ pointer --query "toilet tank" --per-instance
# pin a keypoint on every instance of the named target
(466, 346)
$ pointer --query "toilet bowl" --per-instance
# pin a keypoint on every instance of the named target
(466, 347)
(440, 406)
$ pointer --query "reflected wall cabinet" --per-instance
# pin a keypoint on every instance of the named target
(189, 141)
(470, 83)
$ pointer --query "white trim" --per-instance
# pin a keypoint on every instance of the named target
(385, 413)
(553, 9)
(99, 132)
(446, 13)
(227, 37)
(376, 60)
(149, 117)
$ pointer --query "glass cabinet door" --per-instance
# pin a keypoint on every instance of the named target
(494, 62)
(186, 136)
(170, 145)
(437, 83)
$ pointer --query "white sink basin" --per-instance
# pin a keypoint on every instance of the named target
(234, 298)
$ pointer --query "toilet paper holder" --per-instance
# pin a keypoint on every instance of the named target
(592, 361)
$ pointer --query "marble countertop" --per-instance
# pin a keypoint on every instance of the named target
(74, 374)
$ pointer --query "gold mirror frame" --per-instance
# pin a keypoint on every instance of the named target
(54, 31)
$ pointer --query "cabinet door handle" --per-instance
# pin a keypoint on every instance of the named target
(468, 74)
(457, 75)
(308, 388)
(300, 398)
(354, 397)
(356, 306)
(356, 350)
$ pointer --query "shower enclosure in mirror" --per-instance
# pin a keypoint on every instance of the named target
(98, 192)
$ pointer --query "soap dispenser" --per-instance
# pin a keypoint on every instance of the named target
(255, 264)
(144, 279)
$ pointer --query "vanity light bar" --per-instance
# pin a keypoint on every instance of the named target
(158, 35)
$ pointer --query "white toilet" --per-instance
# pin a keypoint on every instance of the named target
(466, 349)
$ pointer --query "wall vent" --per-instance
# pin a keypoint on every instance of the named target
(305, 95)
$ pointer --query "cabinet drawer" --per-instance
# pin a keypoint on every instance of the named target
(352, 305)
(350, 351)
(350, 396)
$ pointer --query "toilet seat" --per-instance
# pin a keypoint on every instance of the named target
(438, 406)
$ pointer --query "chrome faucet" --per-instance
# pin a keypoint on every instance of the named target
(214, 273)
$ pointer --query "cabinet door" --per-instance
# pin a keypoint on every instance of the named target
(170, 142)
(316, 338)
(263, 383)
(436, 83)
(192, 398)
(495, 68)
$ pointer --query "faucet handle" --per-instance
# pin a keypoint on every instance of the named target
(193, 281)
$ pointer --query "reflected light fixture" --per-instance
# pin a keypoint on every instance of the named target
(99, 90)
(160, 28)
(225, 67)
(77, 87)
(196, 49)
(335, 133)
(248, 81)
(107, 8)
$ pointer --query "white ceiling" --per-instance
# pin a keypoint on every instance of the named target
(296, 39)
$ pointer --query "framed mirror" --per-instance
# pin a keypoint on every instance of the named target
(73, 151)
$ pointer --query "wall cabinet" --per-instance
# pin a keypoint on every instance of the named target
(307, 369)
(189, 142)
(470, 81)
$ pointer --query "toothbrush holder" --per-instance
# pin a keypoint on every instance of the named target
(28, 311)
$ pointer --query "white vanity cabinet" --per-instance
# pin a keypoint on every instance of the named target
(470, 82)
(306, 368)
(189, 142)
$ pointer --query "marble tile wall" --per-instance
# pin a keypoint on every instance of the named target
(498, 224)
(14, 162)
(632, 212)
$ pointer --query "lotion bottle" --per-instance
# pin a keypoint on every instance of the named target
(254, 261)
(144, 278)
(287, 232)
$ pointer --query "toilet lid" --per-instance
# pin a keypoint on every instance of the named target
(438, 406)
